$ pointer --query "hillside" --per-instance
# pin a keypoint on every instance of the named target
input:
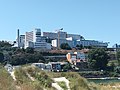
(32, 78)
(6, 81)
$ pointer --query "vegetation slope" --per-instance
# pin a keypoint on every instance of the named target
(43, 80)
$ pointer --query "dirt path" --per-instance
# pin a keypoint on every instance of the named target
(62, 79)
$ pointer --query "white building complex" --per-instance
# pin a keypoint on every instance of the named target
(72, 40)
(33, 39)
(62, 37)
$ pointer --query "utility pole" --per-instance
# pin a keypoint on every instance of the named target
(18, 37)
(58, 32)
(58, 39)
(116, 51)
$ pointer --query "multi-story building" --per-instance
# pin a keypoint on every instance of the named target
(55, 42)
(50, 35)
(57, 35)
(35, 40)
(72, 39)
(75, 36)
(37, 35)
(21, 40)
(73, 42)
(60, 35)
(29, 36)
(91, 43)
(29, 39)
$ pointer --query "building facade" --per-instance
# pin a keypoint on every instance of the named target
(55, 35)
(72, 39)
(50, 35)
(22, 41)
(75, 36)
(35, 40)
(92, 43)
(29, 36)
(75, 57)
(85, 43)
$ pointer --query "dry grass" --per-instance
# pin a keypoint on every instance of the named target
(76, 81)
(6, 81)
(112, 86)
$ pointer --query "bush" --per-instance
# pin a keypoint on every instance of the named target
(65, 46)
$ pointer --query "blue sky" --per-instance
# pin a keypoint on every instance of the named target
(94, 19)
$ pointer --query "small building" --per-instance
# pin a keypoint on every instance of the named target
(51, 66)
(39, 65)
(71, 57)
(80, 55)
(55, 66)
(75, 57)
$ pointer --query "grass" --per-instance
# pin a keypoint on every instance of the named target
(43, 80)
(6, 81)
(41, 76)
(63, 85)
(76, 81)
(24, 82)
(111, 86)
(113, 61)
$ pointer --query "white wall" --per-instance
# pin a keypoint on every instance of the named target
(54, 43)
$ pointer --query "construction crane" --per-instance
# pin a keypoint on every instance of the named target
(58, 32)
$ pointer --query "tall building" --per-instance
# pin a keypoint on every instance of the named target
(29, 36)
(37, 35)
(22, 41)
(29, 39)
(39, 42)
(35, 40)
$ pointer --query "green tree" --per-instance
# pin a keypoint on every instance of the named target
(98, 59)
(29, 50)
(67, 67)
(1, 57)
(118, 57)
(23, 58)
(65, 46)
(79, 46)
(5, 44)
